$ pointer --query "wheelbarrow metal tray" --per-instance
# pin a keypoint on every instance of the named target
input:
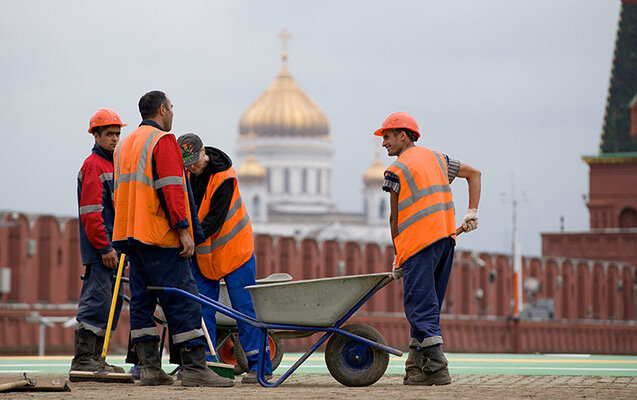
(224, 298)
(314, 302)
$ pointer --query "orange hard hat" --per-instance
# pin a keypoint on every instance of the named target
(104, 117)
(399, 120)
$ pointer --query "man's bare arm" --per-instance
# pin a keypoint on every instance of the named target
(473, 177)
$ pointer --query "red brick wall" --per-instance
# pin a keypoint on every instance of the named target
(612, 190)
(582, 289)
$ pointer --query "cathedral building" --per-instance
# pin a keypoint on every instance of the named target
(284, 154)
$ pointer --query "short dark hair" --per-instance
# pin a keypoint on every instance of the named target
(150, 102)
(100, 129)
(411, 135)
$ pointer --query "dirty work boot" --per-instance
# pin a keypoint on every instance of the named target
(434, 369)
(99, 345)
(413, 365)
(196, 372)
(251, 377)
(84, 347)
(150, 372)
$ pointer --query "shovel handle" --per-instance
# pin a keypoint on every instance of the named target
(459, 230)
(120, 269)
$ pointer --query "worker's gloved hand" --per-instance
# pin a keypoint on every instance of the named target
(396, 273)
(470, 221)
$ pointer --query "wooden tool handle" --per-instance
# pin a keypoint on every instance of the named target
(459, 230)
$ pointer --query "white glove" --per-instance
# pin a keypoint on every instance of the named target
(470, 221)
(396, 273)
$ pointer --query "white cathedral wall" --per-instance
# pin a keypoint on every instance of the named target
(295, 155)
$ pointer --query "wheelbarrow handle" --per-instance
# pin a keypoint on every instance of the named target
(154, 288)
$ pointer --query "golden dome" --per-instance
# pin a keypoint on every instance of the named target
(284, 110)
(251, 169)
(375, 173)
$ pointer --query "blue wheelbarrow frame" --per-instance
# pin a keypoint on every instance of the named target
(264, 327)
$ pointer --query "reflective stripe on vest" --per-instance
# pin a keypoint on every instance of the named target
(138, 212)
(220, 241)
(232, 245)
(425, 203)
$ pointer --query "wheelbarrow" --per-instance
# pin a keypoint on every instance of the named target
(229, 347)
(227, 344)
(355, 355)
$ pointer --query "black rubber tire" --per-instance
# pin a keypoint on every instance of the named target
(353, 363)
(276, 358)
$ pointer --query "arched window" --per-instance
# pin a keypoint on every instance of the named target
(269, 180)
(382, 211)
(628, 218)
(318, 181)
(304, 180)
(255, 206)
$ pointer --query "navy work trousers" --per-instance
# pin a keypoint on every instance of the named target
(425, 278)
(157, 266)
(95, 299)
(236, 281)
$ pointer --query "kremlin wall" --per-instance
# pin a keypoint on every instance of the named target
(593, 302)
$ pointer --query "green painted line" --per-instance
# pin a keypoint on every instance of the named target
(479, 364)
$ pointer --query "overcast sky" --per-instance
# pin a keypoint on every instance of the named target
(514, 88)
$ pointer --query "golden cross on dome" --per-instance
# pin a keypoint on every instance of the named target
(285, 36)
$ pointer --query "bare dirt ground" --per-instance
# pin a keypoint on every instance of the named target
(324, 387)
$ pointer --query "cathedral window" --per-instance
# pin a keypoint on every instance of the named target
(318, 181)
(286, 180)
(382, 212)
(255, 206)
(304, 180)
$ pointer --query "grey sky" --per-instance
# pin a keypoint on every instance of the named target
(514, 88)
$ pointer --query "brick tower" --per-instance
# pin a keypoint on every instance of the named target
(612, 200)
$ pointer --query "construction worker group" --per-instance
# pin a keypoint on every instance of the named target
(173, 207)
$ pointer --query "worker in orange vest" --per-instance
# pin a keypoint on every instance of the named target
(156, 227)
(228, 252)
(423, 230)
(96, 212)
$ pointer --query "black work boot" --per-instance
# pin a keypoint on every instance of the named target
(433, 364)
(196, 372)
(84, 348)
(251, 377)
(413, 366)
(99, 345)
(150, 372)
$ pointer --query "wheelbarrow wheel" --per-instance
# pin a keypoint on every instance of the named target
(226, 350)
(276, 353)
(353, 363)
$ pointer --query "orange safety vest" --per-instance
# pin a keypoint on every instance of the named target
(138, 212)
(425, 204)
(232, 245)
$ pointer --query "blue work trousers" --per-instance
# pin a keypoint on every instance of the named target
(95, 299)
(157, 266)
(425, 278)
(241, 301)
